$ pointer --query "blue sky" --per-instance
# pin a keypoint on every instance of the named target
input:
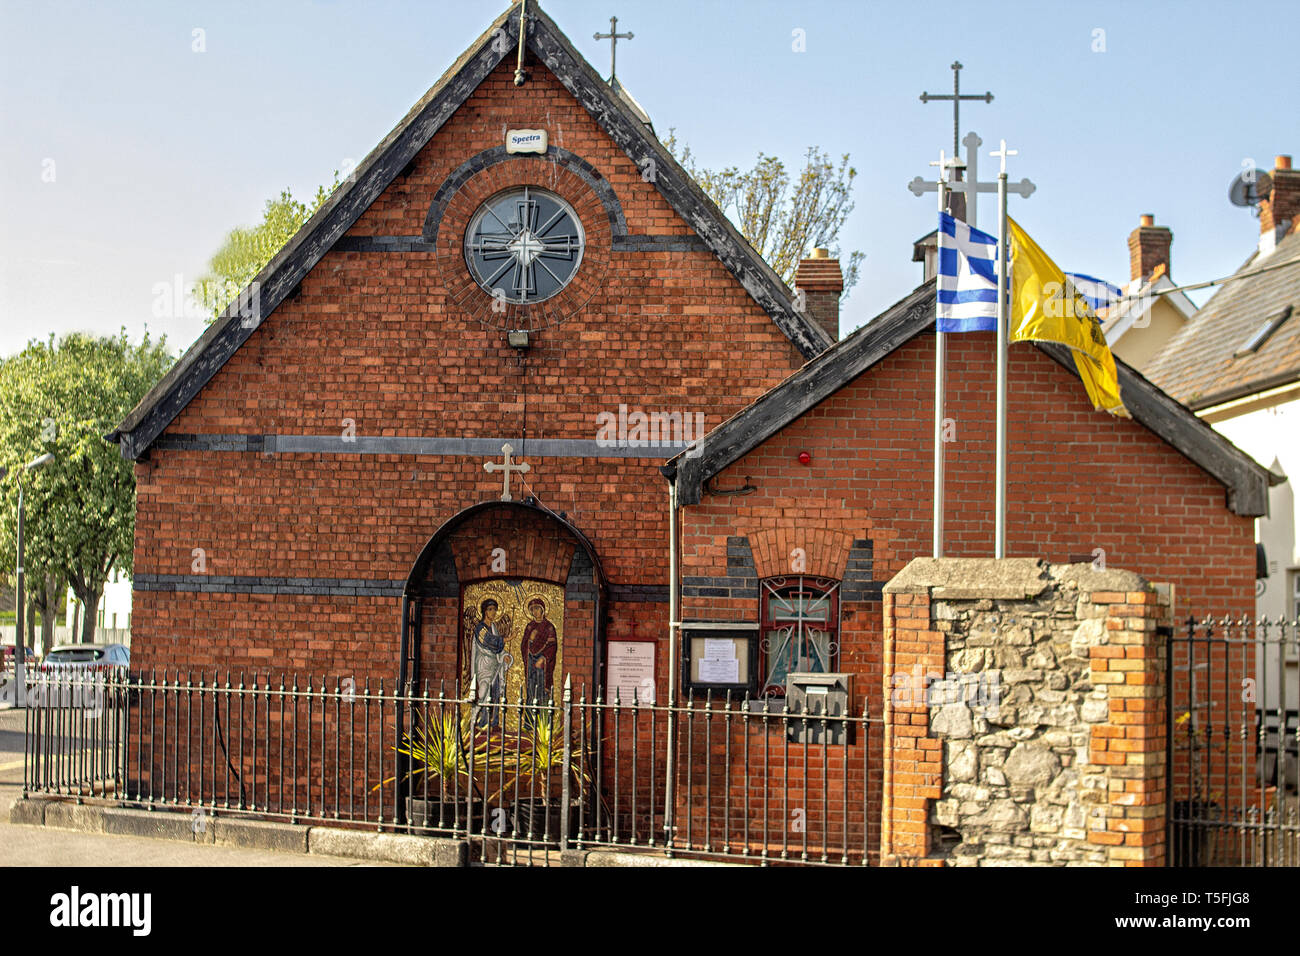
(127, 155)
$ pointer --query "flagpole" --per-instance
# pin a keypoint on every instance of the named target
(940, 350)
(1000, 455)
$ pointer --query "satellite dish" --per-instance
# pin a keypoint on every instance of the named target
(1250, 188)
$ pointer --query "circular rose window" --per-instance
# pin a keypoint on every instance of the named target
(524, 245)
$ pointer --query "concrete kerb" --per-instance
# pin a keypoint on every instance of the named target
(148, 823)
(71, 816)
(604, 858)
(29, 812)
(259, 835)
(203, 827)
(389, 847)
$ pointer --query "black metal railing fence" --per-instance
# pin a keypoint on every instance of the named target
(1233, 742)
(522, 782)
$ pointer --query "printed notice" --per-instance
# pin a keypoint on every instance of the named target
(630, 667)
(714, 671)
(720, 648)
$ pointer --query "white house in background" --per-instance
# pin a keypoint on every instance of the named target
(112, 617)
(1237, 365)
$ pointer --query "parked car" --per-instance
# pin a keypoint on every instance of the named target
(74, 675)
(87, 657)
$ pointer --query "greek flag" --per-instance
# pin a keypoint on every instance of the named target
(1099, 293)
(968, 278)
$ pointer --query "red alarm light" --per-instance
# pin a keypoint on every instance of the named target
(805, 458)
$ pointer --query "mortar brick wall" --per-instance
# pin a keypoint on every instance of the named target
(400, 343)
(1081, 484)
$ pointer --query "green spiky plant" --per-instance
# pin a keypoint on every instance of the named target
(440, 746)
(542, 757)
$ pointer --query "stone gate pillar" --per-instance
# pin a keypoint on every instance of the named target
(1024, 715)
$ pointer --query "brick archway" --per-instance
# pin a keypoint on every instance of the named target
(515, 539)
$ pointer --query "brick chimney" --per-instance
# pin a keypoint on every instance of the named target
(1283, 203)
(1148, 248)
(821, 282)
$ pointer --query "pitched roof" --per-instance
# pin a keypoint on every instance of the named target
(1247, 481)
(1117, 320)
(608, 107)
(1210, 360)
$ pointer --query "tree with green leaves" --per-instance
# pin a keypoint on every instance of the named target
(246, 250)
(64, 398)
(782, 223)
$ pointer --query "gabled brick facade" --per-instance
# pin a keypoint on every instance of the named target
(268, 538)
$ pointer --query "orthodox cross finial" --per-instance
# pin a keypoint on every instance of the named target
(1003, 153)
(943, 163)
(613, 36)
(956, 97)
(507, 466)
(972, 187)
(1024, 188)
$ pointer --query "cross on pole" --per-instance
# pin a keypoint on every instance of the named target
(1002, 153)
(971, 187)
(940, 351)
(956, 96)
(507, 467)
(1003, 324)
(613, 36)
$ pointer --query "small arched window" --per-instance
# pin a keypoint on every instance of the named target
(800, 629)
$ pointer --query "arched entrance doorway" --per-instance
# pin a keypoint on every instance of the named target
(480, 551)
(507, 597)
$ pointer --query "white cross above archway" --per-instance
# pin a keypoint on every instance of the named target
(507, 466)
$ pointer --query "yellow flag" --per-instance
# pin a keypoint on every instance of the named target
(1045, 307)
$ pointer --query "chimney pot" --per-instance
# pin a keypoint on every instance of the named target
(1148, 248)
(820, 280)
(1283, 203)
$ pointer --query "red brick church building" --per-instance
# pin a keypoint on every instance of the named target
(312, 494)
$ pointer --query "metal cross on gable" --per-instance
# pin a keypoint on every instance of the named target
(507, 467)
(613, 36)
(956, 96)
(971, 187)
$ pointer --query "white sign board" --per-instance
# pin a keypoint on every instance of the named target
(526, 141)
(719, 671)
(630, 668)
